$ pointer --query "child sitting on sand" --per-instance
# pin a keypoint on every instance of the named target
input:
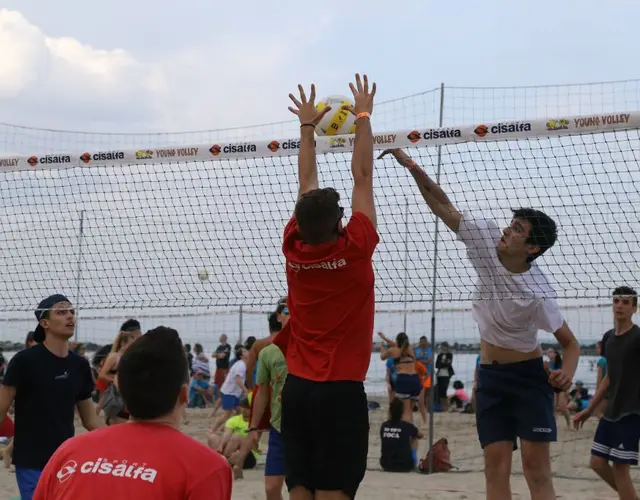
(460, 399)
(236, 430)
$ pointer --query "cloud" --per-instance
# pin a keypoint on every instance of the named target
(59, 82)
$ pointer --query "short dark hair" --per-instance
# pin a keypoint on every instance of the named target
(628, 292)
(238, 350)
(187, 347)
(543, 233)
(274, 325)
(317, 214)
(151, 373)
(396, 409)
(131, 325)
(197, 348)
(248, 344)
(424, 337)
(457, 385)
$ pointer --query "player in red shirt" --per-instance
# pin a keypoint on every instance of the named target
(138, 460)
(329, 337)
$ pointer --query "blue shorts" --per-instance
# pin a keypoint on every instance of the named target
(617, 442)
(27, 481)
(408, 386)
(274, 465)
(230, 402)
(515, 400)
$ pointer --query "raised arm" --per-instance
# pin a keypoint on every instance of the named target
(362, 158)
(438, 201)
(305, 110)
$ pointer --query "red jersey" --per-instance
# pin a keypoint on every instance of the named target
(141, 461)
(331, 299)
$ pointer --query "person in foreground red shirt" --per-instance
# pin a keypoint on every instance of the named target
(148, 458)
(328, 339)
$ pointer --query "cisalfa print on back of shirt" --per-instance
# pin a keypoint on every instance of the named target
(329, 264)
(105, 466)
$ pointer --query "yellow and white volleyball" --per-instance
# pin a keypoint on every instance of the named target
(203, 275)
(338, 121)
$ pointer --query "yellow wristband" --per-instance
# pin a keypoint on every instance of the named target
(364, 114)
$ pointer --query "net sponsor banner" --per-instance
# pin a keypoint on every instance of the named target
(479, 132)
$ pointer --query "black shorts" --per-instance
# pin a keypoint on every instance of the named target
(515, 400)
(408, 386)
(442, 385)
(617, 442)
(325, 433)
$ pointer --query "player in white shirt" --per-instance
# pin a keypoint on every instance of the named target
(512, 301)
(234, 388)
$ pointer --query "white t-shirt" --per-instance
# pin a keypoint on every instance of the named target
(508, 308)
(229, 385)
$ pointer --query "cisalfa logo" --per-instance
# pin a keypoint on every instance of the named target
(414, 136)
(33, 161)
(274, 146)
(86, 158)
(481, 130)
(215, 150)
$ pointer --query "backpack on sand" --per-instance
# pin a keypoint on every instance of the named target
(441, 458)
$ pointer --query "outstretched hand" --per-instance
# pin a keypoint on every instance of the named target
(362, 96)
(305, 108)
(401, 157)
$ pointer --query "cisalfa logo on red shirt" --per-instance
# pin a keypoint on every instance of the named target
(329, 264)
(117, 468)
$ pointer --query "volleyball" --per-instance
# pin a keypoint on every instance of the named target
(203, 275)
(337, 121)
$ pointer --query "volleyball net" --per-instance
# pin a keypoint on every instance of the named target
(188, 233)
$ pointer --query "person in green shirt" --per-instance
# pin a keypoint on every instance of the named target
(272, 372)
(236, 430)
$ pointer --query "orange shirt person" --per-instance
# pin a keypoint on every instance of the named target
(148, 458)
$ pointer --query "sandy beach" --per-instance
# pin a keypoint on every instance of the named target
(570, 462)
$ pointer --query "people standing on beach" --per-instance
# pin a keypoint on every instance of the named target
(408, 386)
(114, 413)
(48, 383)
(615, 444)
(233, 389)
(444, 372)
(328, 341)
(149, 458)
(513, 299)
(222, 355)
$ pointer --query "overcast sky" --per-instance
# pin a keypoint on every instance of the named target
(142, 65)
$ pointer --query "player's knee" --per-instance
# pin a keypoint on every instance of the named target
(598, 464)
(537, 467)
(273, 487)
(621, 472)
(497, 463)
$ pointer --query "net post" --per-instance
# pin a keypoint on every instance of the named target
(240, 318)
(79, 274)
(433, 296)
(406, 257)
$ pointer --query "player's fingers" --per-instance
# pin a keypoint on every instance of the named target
(353, 90)
(349, 108)
(384, 153)
(358, 82)
(303, 96)
(293, 110)
(324, 112)
(295, 101)
(373, 90)
(312, 96)
(366, 83)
